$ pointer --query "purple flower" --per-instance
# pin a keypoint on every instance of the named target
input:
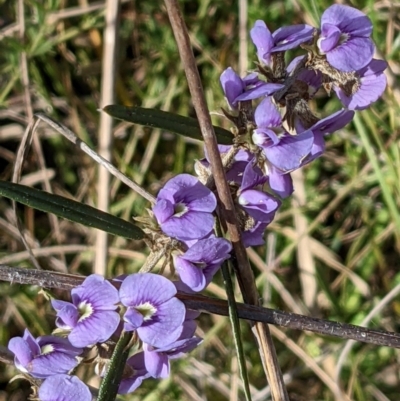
(197, 266)
(238, 90)
(134, 374)
(260, 205)
(184, 208)
(371, 85)
(91, 317)
(283, 39)
(286, 152)
(153, 311)
(289, 37)
(157, 359)
(345, 38)
(64, 388)
(44, 356)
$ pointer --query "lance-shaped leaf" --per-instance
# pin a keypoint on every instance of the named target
(70, 210)
(185, 126)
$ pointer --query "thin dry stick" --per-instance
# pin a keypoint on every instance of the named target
(105, 129)
(63, 130)
(201, 303)
(244, 272)
(24, 144)
(243, 37)
(305, 259)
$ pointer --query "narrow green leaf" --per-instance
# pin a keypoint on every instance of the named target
(70, 210)
(185, 126)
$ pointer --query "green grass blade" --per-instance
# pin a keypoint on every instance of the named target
(185, 126)
(70, 210)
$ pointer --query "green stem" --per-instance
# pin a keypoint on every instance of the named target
(109, 386)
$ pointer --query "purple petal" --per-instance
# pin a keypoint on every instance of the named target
(190, 191)
(232, 85)
(317, 149)
(136, 364)
(67, 317)
(96, 291)
(52, 364)
(330, 36)
(59, 344)
(182, 347)
(58, 305)
(348, 20)
(147, 287)
(133, 318)
(254, 236)
(190, 274)
(290, 152)
(372, 85)
(267, 115)
(191, 225)
(281, 184)
(157, 364)
(264, 89)
(97, 328)
(259, 205)
(252, 177)
(289, 37)
(333, 122)
(264, 137)
(163, 330)
(211, 250)
(163, 210)
(23, 353)
(352, 55)
(64, 388)
(263, 40)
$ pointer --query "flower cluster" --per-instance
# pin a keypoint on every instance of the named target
(184, 211)
(279, 133)
(148, 307)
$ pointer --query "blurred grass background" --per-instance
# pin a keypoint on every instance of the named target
(332, 252)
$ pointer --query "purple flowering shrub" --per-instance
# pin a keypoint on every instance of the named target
(275, 133)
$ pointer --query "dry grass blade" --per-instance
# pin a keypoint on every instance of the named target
(62, 129)
(108, 79)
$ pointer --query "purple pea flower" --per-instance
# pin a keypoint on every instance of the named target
(345, 38)
(284, 151)
(184, 208)
(153, 311)
(44, 356)
(91, 317)
(285, 38)
(157, 359)
(238, 90)
(64, 388)
(197, 266)
(134, 374)
(372, 83)
(260, 205)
